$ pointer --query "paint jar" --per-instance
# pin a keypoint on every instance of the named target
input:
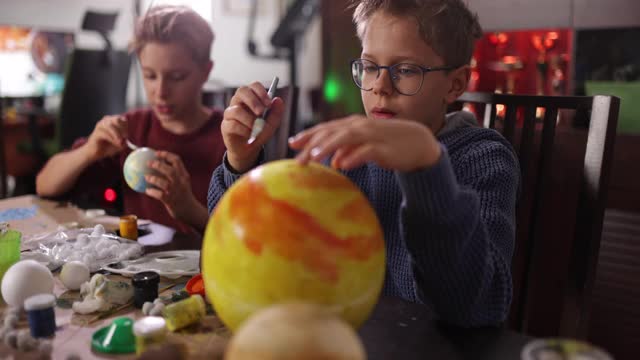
(42, 319)
(145, 287)
(129, 227)
(149, 331)
(185, 312)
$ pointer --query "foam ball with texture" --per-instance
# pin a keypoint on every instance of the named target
(74, 274)
(136, 167)
(25, 279)
(295, 331)
(286, 232)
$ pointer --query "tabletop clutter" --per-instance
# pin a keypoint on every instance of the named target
(28, 284)
(285, 287)
(78, 257)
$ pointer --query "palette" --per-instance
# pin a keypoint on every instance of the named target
(170, 264)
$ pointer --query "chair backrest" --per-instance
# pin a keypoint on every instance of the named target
(95, 86)
(278, 147)
(3, 161)
(565, 174)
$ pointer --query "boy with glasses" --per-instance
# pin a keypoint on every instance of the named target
(443, 188)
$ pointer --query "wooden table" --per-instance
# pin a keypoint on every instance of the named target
(398, 329)
(395, 330)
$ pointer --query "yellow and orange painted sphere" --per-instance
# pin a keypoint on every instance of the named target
(287, 232)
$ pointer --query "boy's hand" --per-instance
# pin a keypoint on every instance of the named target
(172, 184)
(400, 145)
(248, 103)
(108, 138)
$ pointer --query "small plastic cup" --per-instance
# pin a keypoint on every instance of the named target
(566, 349)
(149, 331)
(195, 286)
(116, 338)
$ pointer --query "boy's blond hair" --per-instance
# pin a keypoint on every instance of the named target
(448, 26)
(174, 24)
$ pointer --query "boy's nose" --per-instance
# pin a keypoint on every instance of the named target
(383, 84)
(163, 89)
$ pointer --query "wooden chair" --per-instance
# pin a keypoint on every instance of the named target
(278, 147)
(3, 161)
(565, 174)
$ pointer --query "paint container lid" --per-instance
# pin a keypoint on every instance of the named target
(149, 326)
(116, 338)
(39, 302)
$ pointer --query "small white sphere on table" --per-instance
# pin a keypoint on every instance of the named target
(74, 274)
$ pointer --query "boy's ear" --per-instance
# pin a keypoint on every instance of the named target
(459, 81)
(209, 68)
(206, 70)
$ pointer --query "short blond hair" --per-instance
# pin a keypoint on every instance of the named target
(174, 24)
(448, 26)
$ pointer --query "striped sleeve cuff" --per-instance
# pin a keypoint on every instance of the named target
(230, 176)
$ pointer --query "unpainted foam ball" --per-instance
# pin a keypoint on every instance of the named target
(74, 274)
(25, 279)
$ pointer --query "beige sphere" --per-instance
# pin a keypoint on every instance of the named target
(295, 331)
(74, 274)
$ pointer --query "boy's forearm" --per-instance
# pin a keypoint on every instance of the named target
(61, 172)
(456, 262)
(197, 217)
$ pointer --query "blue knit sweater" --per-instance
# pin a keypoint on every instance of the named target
(449, 229)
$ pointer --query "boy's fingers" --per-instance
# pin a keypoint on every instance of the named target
(359, 156)
(272, 122)
(334, 141)
(169, 157)
(158, 182)
(240, 113)
(339, 155)
(246, 96)
(311, 148)
(261, 93)
(236, 128)
(155, 193)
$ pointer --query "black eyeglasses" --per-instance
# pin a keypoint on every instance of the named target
(406, 78)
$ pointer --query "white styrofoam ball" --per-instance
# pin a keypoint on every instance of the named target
(146, 307)
(74, 274)
(102, 253)
(45, 346)
(98, 230)
(11, 339)
(156, 310)
(114, 248)
(25, 279)
(88, 258)
(11, 321)
(82, 240)
(24, 341)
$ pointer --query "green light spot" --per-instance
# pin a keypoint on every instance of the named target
(332, 89)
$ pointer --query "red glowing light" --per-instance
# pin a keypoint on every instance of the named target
(110, 195)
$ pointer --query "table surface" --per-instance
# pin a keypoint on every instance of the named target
(396, 329)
